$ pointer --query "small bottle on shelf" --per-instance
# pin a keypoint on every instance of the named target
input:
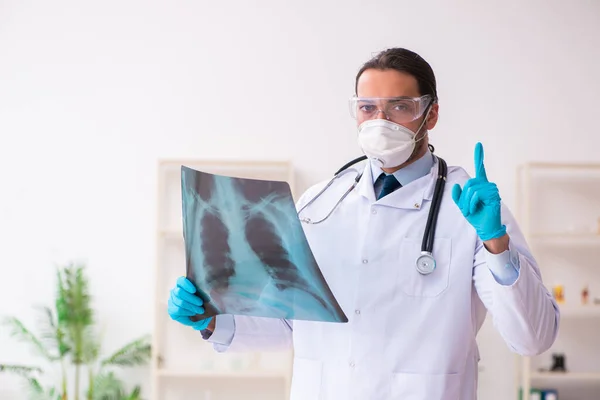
(585, 295)
(559, 293)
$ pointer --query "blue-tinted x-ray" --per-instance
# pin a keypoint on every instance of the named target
(246, 251)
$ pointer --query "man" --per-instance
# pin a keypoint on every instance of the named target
(410, 335)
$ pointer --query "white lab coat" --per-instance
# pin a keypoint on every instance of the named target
(409, 336)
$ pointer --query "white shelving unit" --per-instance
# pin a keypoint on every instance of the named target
(558, 206)
(184, 366)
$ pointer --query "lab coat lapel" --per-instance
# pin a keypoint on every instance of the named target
(410, 196)
(365, 185)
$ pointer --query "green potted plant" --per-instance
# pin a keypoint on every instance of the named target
(68, 338)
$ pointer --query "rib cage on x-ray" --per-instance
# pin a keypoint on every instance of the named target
(246, 251)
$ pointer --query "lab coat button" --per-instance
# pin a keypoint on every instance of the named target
(417, 205)
(357, 312)
(351, 364)
(373, 211)
(365, 261)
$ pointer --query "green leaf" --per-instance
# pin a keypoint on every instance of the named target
(135, 394)
(37, 392)
(73, 304)
(62, 308)
(90, 350)
(137, 352)
(35, 389)
(51, 334)
(108, 387)
(21, 333)
(22, 370)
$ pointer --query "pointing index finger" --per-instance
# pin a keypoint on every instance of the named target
(479, 167)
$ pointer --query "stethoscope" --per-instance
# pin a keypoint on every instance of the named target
(425, 263)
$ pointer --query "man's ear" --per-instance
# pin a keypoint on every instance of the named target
(432, 118)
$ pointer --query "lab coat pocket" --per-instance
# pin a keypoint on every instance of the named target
(425, 386)
(413, 283)
(306, 379)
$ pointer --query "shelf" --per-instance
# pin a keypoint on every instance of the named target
(567, 239)
(171, 339)
(566, 376)
(165, 373)
(171, 235)
(562, 166)
(575, 311)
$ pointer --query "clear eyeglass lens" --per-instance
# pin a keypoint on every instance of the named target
(398, 110)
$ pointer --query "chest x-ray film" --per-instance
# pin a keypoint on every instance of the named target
(246, 251)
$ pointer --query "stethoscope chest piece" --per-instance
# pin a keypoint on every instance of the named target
(425, 263)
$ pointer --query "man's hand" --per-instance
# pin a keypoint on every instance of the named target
(183, 304)
(212, 325)
(480, 203)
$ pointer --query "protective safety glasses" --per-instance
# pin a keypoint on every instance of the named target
(397, 109)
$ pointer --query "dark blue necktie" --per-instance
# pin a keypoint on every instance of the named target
(390, 183)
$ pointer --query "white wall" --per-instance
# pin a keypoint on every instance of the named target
(92, 93)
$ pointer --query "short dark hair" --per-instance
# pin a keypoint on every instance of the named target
(406, 61)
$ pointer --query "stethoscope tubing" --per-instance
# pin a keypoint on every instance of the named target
(430, 226)
(427, 244)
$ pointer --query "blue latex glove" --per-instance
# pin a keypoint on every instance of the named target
(183, 304)
(479, 201)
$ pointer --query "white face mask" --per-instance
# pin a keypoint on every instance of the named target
(388, 143)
